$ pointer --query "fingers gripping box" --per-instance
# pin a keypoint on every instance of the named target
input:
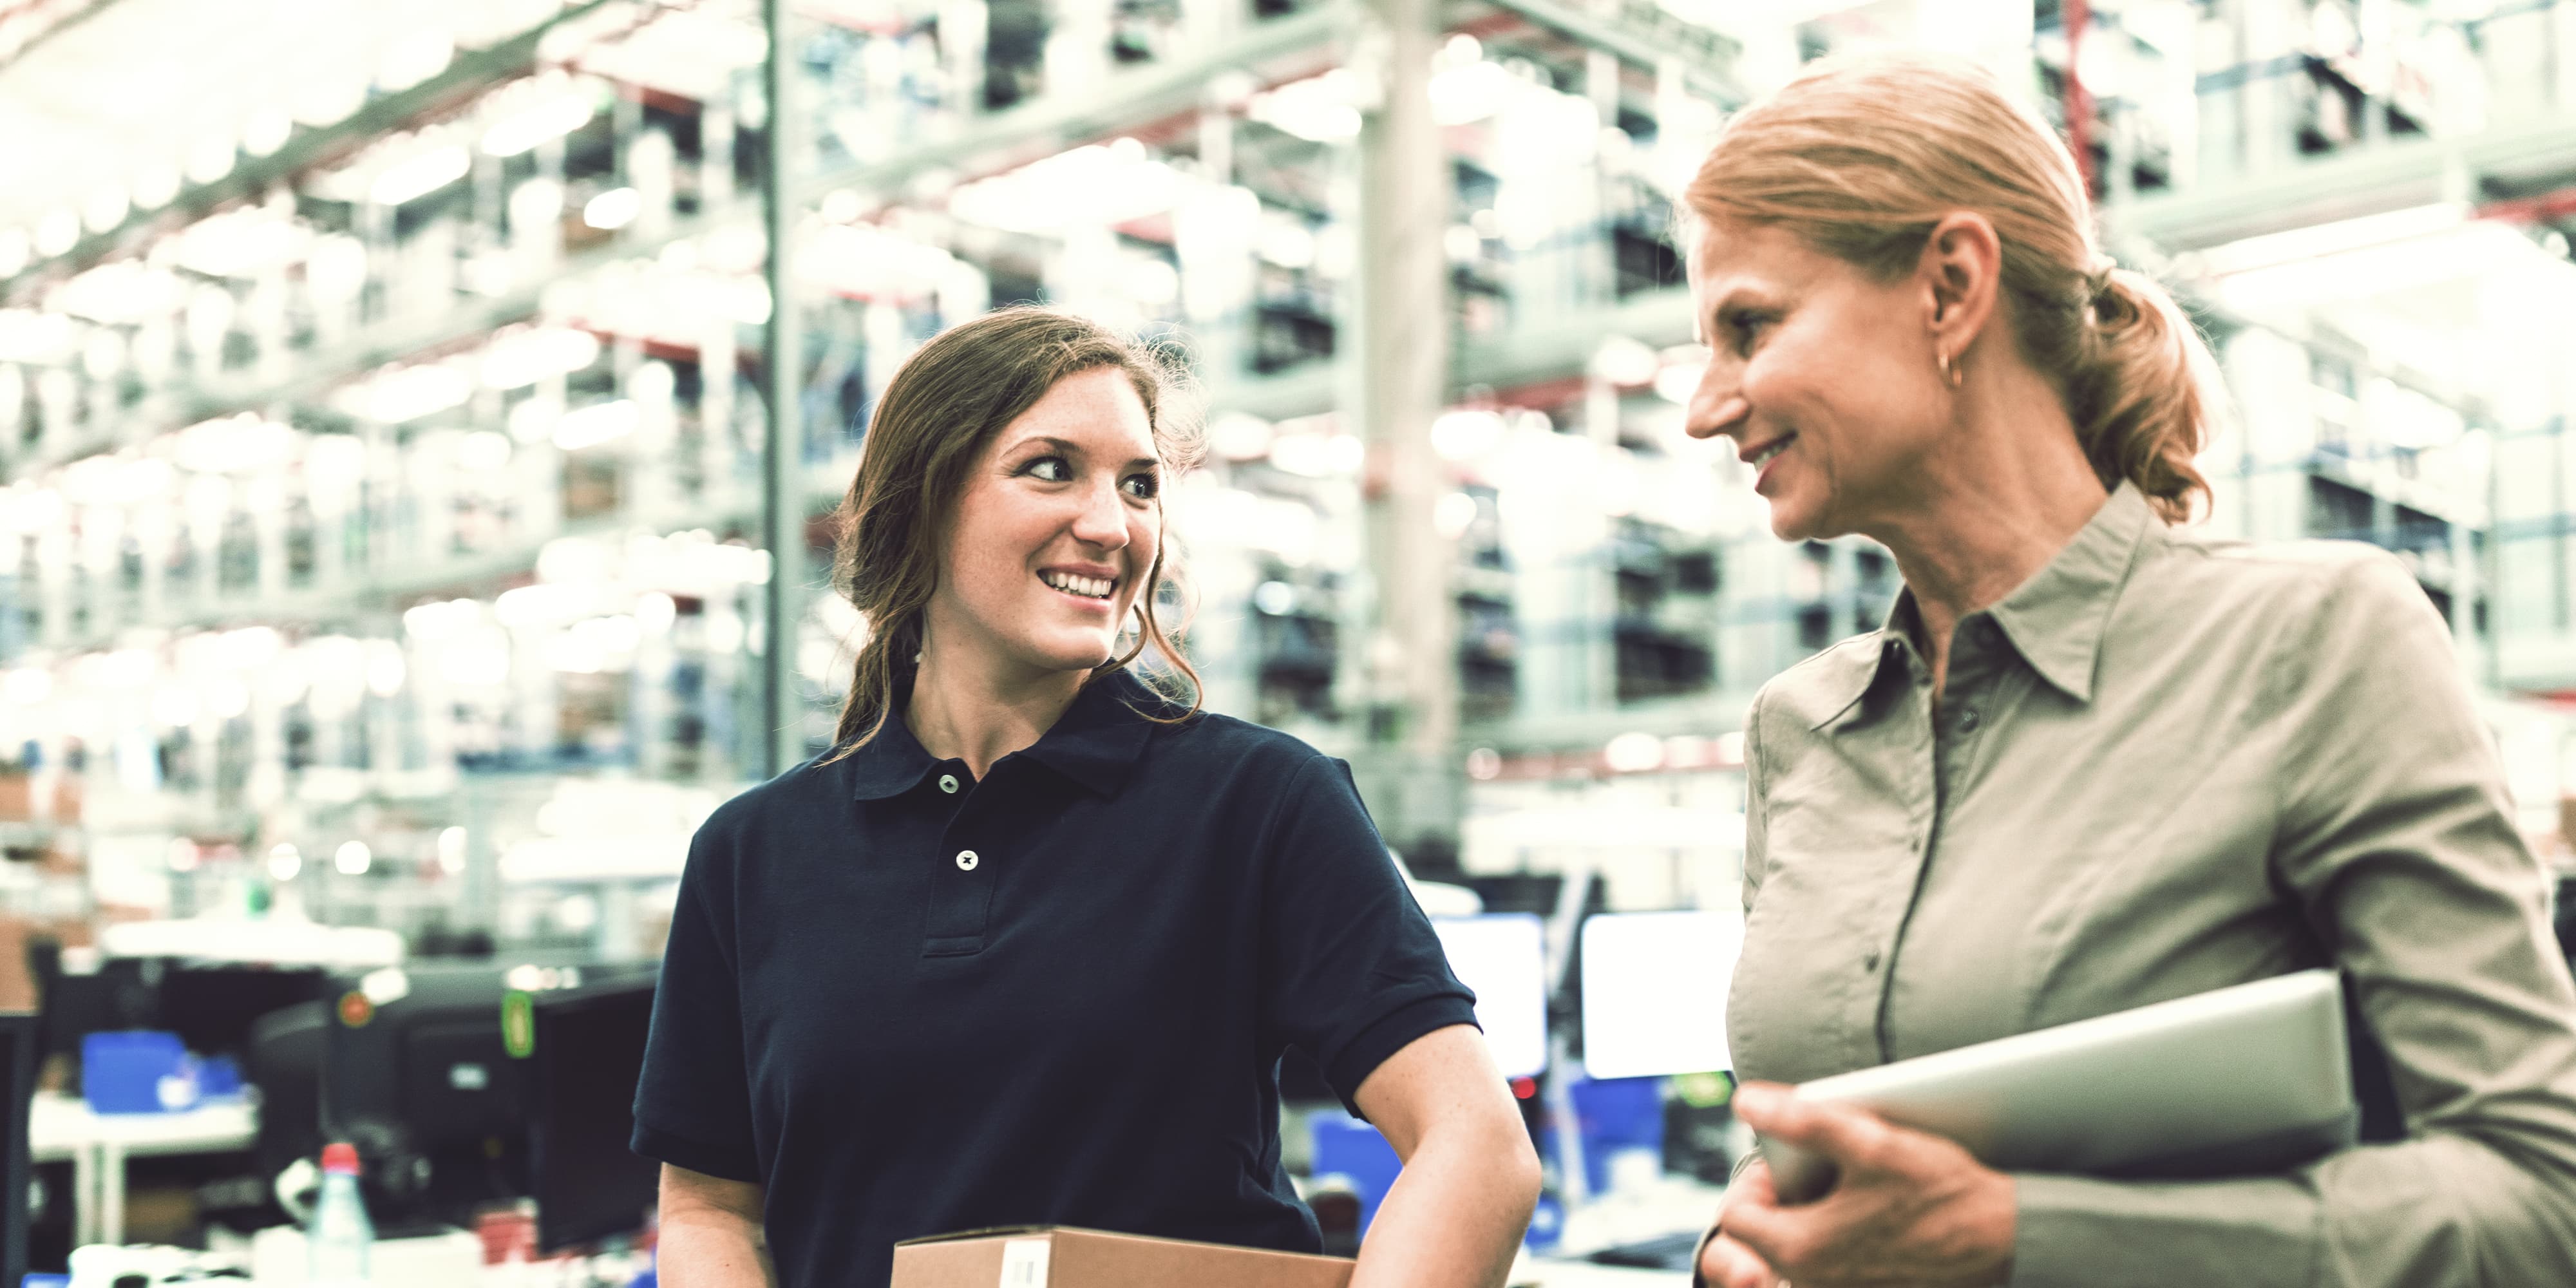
(1062, 1257)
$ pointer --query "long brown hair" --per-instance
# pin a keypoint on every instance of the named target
(1860, 159)
(934, 419)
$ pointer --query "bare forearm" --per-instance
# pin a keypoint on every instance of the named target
(707, 1250)
(1456, 1214)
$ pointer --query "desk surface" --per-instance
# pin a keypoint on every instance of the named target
(1531, 1273)
(59, 1125)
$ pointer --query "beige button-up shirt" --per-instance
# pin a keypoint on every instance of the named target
(2168, 764)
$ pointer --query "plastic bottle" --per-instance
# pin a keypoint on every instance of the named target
(341, 1236)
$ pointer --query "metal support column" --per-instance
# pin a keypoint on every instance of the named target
(1400, 357)
(782, 482)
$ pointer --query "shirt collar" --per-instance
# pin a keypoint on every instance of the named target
(2055, 620)
(1096, 742)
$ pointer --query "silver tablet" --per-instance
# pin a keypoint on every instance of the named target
(2243, 1080)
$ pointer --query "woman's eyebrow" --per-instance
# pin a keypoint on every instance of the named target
(1070, 448)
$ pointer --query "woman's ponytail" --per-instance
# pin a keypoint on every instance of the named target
(2139, 392)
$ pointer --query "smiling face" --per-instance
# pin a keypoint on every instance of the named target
(1824, 378)
(1055, 532)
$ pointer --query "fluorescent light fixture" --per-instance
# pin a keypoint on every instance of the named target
(1466, 433)
(1626, 361)
(613, 209)
(2319, 240)
(353, 858)
(1318, 109)
(408, 393)
(106, 208)
(596, 424)
(552, 119)
(58, 231)
(211, 158)
(521, 357)
(421, 175)
(266, 131)
(1471, 92)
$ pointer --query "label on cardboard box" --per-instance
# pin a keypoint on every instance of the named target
(1066, 1257)
(1024, 1263)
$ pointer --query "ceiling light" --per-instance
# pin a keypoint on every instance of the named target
(552, 119)
(421, 175)
(596, 424)
(266, 131)
(613, 209)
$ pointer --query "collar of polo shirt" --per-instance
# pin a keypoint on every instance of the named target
(1095, 742)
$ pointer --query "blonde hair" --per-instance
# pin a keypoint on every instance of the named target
(1861, 158)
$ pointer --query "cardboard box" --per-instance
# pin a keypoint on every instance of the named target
(1054, 1256)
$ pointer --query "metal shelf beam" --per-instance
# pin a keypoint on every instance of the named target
(2364, 181)
(466, 74)
(993, 140)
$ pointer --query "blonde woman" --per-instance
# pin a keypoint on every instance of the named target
(2093, 760)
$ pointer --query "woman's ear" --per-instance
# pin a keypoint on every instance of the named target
(1960, 273)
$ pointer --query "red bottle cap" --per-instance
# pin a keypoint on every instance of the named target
(341, 1157)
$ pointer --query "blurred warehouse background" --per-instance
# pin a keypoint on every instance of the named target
(416, 459)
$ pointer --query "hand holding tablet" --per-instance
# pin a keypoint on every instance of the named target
(2242, 1080)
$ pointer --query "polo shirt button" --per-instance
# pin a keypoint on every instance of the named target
(1869, 962)
(966, 860)
(948, 783)
(1967, 722)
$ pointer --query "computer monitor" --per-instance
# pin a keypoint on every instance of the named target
(213, 1008)
(283, 1058)
(18, 1083)
(1654, 992)
(416, 1074)
(1503, 957)
(588, 1055)
(82, 993)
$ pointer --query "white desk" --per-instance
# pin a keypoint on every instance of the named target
(1533, 1272)
(63, 1127)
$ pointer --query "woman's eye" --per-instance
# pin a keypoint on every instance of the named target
(1743, 329)
(1051, 469)
(1143, 486)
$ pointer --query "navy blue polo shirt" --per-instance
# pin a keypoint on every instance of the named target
(907, 1002)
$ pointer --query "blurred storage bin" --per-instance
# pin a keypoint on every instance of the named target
(137, 1072)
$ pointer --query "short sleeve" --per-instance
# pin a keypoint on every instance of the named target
(693, 1103)
(1351, 970)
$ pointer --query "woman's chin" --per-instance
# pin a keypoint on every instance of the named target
(1791, 521)
(1069, 652)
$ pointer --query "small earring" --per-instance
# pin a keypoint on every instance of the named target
(1956, 377)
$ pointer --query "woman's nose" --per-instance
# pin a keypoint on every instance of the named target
(1716, 405)
(1102, 520)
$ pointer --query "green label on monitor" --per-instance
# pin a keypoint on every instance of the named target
(518, 1024)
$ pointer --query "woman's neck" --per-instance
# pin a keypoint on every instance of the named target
(2010, 490)
(979, 709)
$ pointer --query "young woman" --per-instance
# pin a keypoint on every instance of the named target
(2092, 761)
(1026, 947)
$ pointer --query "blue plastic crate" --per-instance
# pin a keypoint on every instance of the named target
(137, 1072)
